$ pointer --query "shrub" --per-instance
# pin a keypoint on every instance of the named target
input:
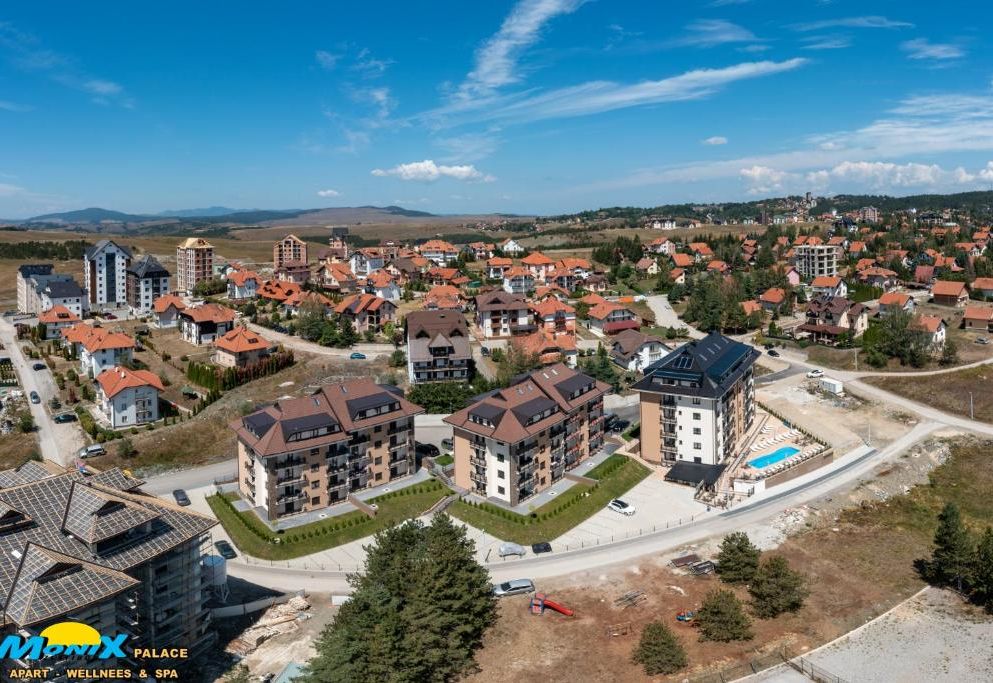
(738, 558)
(659, 651)
(776, 588)
(722, 618)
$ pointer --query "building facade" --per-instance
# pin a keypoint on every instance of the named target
(437, 346)
(105, 266)
(291, 249)
(816, 260)
(304, 454)
(147, 280)
(501, 314)
(194, 263)
(128, 397)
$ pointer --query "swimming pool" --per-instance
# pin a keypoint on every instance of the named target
(777, 455)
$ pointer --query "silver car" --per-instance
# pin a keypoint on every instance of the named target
(508, 549)
(515, 587)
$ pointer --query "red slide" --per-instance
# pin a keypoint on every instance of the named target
(561, 609)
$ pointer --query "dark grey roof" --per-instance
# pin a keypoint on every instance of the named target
(116, 478)
(99, 246)
(294, 425)
(93, 515)
(29, 269)
(63, 289)
(357, 405)
(528, 409)
(694, 473)
(706, 367)
(572, 384)
(259, 423)
(147, 266)
(487, 411)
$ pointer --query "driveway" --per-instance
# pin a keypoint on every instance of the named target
(666, 317)
(298, 344)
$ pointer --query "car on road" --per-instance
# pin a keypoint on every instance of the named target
(982, 340)
(513, 587)
(618, 505)
(181, 497)
(426, 449)
(62, 418)
(357, 356)
(814, 374)
(448, 444)
(91, 451)
(54, 403)
(38, 366)
(508, 549)
(225, 549)
(542, 547)
(35, 398)
(774, 353)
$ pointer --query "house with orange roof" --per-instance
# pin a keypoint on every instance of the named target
(883, 278)
(896, 302)
(611, 318)
(497, 266)
(439, 252)
(99, 348)
(203, 324)
(864, 263)
(580, 266)
(949, 293)
(128, 397)
(924, 275)
(935, 327)
(661, 245)
(444, 297)
(718, 267)
(366, 312)
(480, 250)
(538, 265)
(856, 247)
(751, 306)
(552, 315)
(568, 280)
(549, 347)
(56, 319)
(442, 276)
(545, 291)
(982, 287)
(336, 277)
(828, 285)
(297, 300)
(383, 285)
(682, 260)
(978, 318)
(277, 290)
(593, 300)
(701, 251)
(166, 310)
(646, 265)
(677, 276)
(772, 298)
(243, 284)
(971, 249)
(518, 280)
(240, 348)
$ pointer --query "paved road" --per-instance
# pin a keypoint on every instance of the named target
(298, 344)
(666, 317)
(59, 442)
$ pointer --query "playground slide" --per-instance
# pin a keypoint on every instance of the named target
(561, 609)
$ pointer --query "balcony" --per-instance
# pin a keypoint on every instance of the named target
(478, 477)
(360, 465)
(669, 415)
(358, 440)
(291, 495)
(289, 462)
(477, 460)
(528, 468)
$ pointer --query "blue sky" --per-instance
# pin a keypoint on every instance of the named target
(531, 106)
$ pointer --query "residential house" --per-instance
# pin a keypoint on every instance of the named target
(924, 275)
(648, 266)
(205, 323)
(243, 285)
(893, 302)
(683, 261)
(336, 277)
(98, 348)
(551, 290)
(437, 347)
(46, 292)
(568, 280)
(701, 251)
(444, 297)
(480, 250)
(597, 282)
(677, 276)
(194, 263)
(295, 302)
(949, 293)
(166, 310)
(856, 247)
(56, 319)
(751, 306)
(934, 327)
(611, 318)
(240, 348)
(579, 267)
(635, 351)
(772, 298)
(407, 269)
(128, 397)
(829, 285)
(549, 347)
(978, 318)
(146, 281)
(383, 285)
(882, 278)
(719, 267)
(443, 276)
(538, 265)
(661, 223)
(519, 440)
(511, 247)
(982, 287)
(291, 250)
(296, 272)
(366, 312)
(364, 261)
(552, 315)
(661, 245)
(439, 252)
(497, 266)
(502, 314)
(307, 453)
(828, 318)
(278, 291)
(518, 280)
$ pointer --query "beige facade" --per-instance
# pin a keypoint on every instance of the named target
(194, 263)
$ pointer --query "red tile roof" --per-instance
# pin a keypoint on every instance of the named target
(948, 288)
(58, 314)
(214, 313)
(241, 339)
(116, 380)
(161, 304)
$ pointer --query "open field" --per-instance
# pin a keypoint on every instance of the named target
(948, 391)
(17, 447)
(859, 563)
(8, 275)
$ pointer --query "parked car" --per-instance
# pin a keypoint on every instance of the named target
(508, 549)
(543, 547)
(619, 425)
(484, 351)
(618, 505)
(54, 403)
(774, 353)
(35, 398)
(982, 340)
(280, 329)
(513, 587)
(109, 316)
(426, 449)
(62, 418)
(181, 497)
(225, 549)
(814, 374)
(38, 366)
(357, 356)
(768, 346)
(448, 444)
(91, 451)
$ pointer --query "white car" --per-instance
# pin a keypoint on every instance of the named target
(814, 374)
(509, 549)
(618, 505)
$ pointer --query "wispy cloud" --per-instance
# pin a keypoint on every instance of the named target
(14, 106)
(326, 60)
(496, 62)
(428, 171)
(328, 193)
(369, 66)
(762, 179)
(715, 140)
(725, 3)
(712, 32)
(28, 54)
(851, 22)
(827, 42)
(468, 147)
(922, 48)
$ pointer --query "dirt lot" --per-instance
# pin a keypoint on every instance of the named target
(948, 391)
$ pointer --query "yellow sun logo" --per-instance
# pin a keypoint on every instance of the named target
(71, 633)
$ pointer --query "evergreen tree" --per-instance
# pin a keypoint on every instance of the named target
(722, 618)
(949, 352)
(738, 558)
(953, 553)
(981, 576)
(659, 651)
(776, 588)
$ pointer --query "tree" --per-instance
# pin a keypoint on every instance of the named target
(515, 360)
(25, 422)
(398, 359)
(417, 613)
(659, 651)
(738, 558)
(949, 353)
(953, 553)
(722, 618)
(126, 449)
(776, 588)
(982, 571)
(311, 320)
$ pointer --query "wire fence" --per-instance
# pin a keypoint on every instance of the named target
(769, 660)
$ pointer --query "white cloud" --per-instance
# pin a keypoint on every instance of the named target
(326, 60)
(922, 48)
(827, 42)
(428, 171)
(14, 106)
(851, 22)
(369, 66)
(101, 87)
(762, 179)
(757, 47)
(496, 60)
(715, 140)
(468, 147)
(711, 32)
(878, 175)
(328, 193)
(8, 190)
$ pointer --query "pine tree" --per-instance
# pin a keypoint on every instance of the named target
(738, 558)
(722, 618)
(952, 550)
(981, 576)
(659, 651)
(776, 588)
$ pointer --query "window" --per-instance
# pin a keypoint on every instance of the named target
(379, 476)
(697, 446)
(315, 466)
(379, 444)
(696, 401)
(696, 416)
(315, 501)
(501, 474)
(500, 457)
(314, 484)
(501, 490)
(697, 431)
(378, 460)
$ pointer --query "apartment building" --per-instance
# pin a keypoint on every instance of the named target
(816, 260)
(516, 442)
(25, 287)
(500, 314)
(105, 266)
(91, 547)
(307, 453)
(39, 289)
(289, 250)
(696, 406)
(194, 263)
(437, 346)
(147, 280)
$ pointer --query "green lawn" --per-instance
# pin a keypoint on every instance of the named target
(444, 460)
(617, 475)
(254, 538)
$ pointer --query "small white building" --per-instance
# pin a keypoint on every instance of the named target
(128, 397)
(511, 247)
(101, 350)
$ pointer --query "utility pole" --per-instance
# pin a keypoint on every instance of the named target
(972, 411)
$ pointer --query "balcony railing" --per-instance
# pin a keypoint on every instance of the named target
(290, 495)
(528, 468)
(477, 477)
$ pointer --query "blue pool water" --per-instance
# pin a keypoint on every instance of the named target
(777, 455)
